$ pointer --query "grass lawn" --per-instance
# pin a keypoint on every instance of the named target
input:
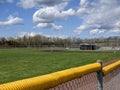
(16, 64)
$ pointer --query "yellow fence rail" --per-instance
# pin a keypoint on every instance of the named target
(51, 80)
(111, 67)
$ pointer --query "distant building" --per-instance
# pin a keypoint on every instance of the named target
(88, 47)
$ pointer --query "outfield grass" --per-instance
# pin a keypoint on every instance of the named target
(16, 64)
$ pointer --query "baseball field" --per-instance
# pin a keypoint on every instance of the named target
(20, 63)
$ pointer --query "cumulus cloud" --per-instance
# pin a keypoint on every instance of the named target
(49, 25)
(12, 21)
(97, 31)
(32, 34)
(45, 17)
(117, 31)
(80, 29)
(83, 2)
(55, 36)
(44, 25)
(50, 14)
(99, 15)
(26, 3)
(33, 3)
(28, 34)
(117, 24)
(57, 27)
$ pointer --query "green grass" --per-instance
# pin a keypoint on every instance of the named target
(16, 64)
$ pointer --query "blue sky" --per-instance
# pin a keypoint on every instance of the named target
(62, 18)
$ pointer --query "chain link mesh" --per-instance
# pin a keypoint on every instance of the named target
(112, 80)
(89, 82)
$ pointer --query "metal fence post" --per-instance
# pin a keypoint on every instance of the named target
(100, 77)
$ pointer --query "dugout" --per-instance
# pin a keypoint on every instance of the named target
(88, 47)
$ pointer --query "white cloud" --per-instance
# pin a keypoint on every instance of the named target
(118, 24)
(55, 36)
(49, 25)
(99, 15)
(28, 34)
(26, 3)
(44, 25)
(97, 31)
(34, 3)
(32, 34)
(51, 14)
(11, 21)
(56, 27)
(64, 14)
(117, 31)
(45, 17)
(83, 2)
(80, 29)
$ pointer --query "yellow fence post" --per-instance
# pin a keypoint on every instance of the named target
(100, 77)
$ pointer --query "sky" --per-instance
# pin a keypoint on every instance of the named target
(60, 18)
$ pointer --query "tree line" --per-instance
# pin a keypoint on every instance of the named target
(38, 41)
(44, 41)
